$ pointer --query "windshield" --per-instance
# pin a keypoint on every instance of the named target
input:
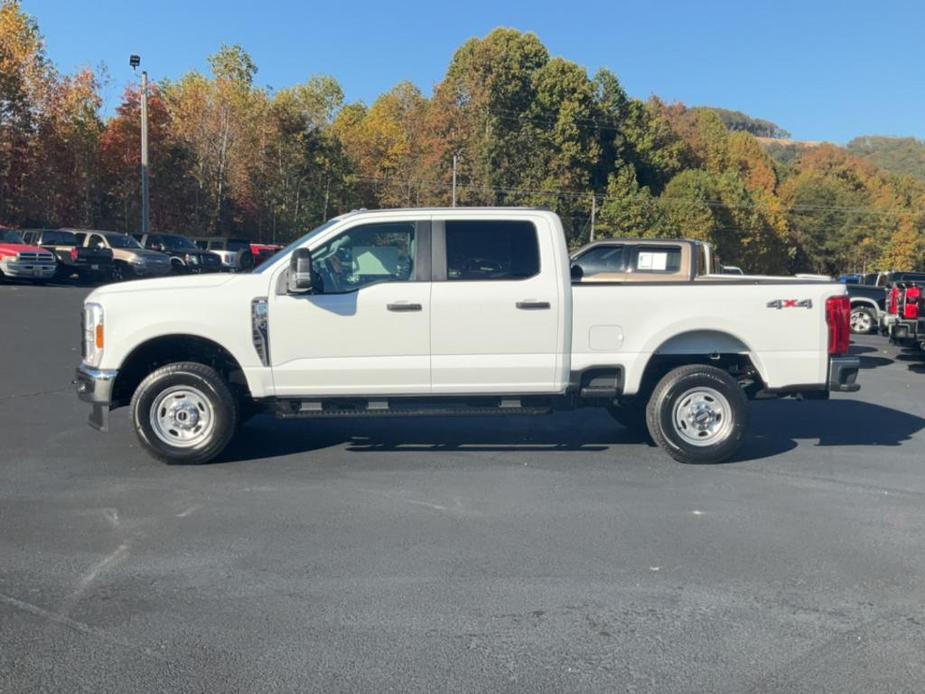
(59, 238)
(10, 237)
(295, 244)
(122, 241)
(179, 243)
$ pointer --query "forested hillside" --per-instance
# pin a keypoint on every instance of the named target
(899, 155)
(230, 156)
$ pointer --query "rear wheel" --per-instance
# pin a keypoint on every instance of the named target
(184, 413)
(121, 271)
(863, 319)
(698, 414)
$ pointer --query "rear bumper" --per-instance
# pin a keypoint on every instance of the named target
(904, 331)
(95, 387)
(843, 374)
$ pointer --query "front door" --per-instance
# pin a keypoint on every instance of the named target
(367, 331)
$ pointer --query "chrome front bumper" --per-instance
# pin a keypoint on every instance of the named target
(28, 270)
(95, 386)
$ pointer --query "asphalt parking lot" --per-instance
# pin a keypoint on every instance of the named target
(536, 555)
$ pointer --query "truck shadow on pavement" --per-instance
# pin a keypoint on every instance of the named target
(776, 427)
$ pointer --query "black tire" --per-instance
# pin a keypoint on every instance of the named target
(863, 320)
(219, 405)
(121, 271)
(246, 263)
(694, 388)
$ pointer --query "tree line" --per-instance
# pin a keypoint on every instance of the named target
(231, 157)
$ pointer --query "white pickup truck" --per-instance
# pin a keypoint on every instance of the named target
(457, 311)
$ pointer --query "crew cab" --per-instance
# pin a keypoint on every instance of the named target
(452, 312)
(73, 259)
(21, 260)
(185, 256)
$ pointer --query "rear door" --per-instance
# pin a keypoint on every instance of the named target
(495, 312)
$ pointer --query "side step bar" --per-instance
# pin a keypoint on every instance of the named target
(304, 409)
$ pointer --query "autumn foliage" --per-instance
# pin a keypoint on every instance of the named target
(527, 128)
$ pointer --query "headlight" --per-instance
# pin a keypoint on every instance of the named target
(137, 260)
(94, 334)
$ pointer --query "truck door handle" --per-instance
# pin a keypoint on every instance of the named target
(532, 305)
(402, 308)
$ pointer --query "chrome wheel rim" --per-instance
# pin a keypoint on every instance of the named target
(182, 416)
(861, 321)
(702, 416)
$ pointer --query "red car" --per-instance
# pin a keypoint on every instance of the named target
(20, 260)
(263, 251)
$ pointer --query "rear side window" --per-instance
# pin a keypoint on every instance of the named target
(501, 250)
(59, 238)
(602, 260)
(665, 259)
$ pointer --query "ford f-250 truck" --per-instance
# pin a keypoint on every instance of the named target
(453, 311)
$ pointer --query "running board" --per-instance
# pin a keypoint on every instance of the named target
(305, 409)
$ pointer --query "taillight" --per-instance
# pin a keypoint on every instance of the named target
(911, 303)
(74, 254)
(838, 318)
(894, 301)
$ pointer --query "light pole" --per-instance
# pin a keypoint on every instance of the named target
(135, 61)
(455, 163)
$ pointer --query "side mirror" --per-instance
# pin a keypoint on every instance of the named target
(577, 273)
(300, 272)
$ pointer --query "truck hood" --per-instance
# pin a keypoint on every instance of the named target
(12, 249)
(174, 282)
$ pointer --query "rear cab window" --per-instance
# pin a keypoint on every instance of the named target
(658, 259)
(479, 251)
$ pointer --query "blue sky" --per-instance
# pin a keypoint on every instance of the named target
(822, 70)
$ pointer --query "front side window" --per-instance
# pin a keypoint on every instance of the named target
(491, 250)
(366, 255)
(666, 259)
(59, 238)
(602, 260)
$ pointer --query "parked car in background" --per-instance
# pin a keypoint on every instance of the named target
(236, 254)
(21, 260)
(264, 251)
(888, 283)
(130, 259)
(93, 264)
(906, 313)
(185, 256)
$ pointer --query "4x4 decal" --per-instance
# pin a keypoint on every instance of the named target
(790, 303)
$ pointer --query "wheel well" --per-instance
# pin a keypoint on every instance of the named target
(712, 348)
(167, 349)
(867, 303)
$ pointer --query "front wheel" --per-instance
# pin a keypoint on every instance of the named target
(184, 413)
(698, 414)
(862, 320)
